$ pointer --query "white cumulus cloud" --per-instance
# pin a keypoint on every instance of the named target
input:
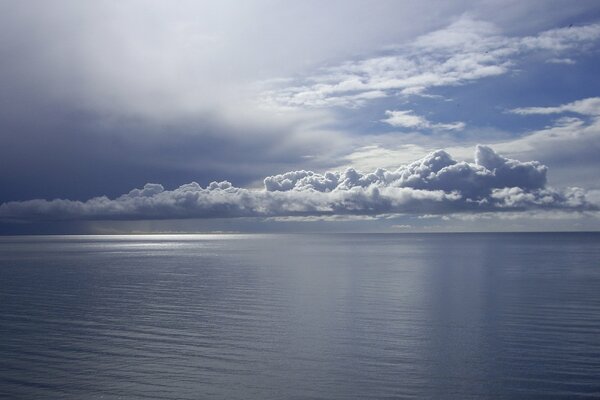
(436, 184)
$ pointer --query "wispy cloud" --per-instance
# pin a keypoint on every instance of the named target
(465, 51)
(588, 107)
(566, 61)
(408, 119)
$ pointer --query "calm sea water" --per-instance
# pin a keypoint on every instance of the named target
(448, 316)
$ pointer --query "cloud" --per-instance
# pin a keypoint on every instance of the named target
(435, 184)
(437, 171)
(401, 226)
(566, 61)
(154, 92)
(569, 143)
(151, 92)
(561, 39)
(465, 51)
(588, 107)
(195, 56)
(407, 119)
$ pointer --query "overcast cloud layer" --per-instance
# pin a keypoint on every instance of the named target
(436, 184)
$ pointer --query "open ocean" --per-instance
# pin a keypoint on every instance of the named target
(326, 316)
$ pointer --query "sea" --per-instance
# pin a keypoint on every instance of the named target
(306, 316)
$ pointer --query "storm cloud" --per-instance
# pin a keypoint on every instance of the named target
(435, 184)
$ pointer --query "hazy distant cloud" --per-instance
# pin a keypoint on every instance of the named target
(436, 184)
(465, 51)
(408, 119)
(566, 61)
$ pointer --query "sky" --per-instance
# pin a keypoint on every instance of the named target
(281, 116)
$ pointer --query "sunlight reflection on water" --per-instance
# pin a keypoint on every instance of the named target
(300, 316)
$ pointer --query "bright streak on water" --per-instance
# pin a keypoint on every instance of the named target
(453, 316)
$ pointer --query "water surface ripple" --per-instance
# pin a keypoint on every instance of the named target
(349, 316)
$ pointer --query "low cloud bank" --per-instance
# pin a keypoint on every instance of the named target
(435, 184)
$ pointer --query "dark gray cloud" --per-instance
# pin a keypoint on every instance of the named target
(100, 97)
(435, 184)
(81, 155)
